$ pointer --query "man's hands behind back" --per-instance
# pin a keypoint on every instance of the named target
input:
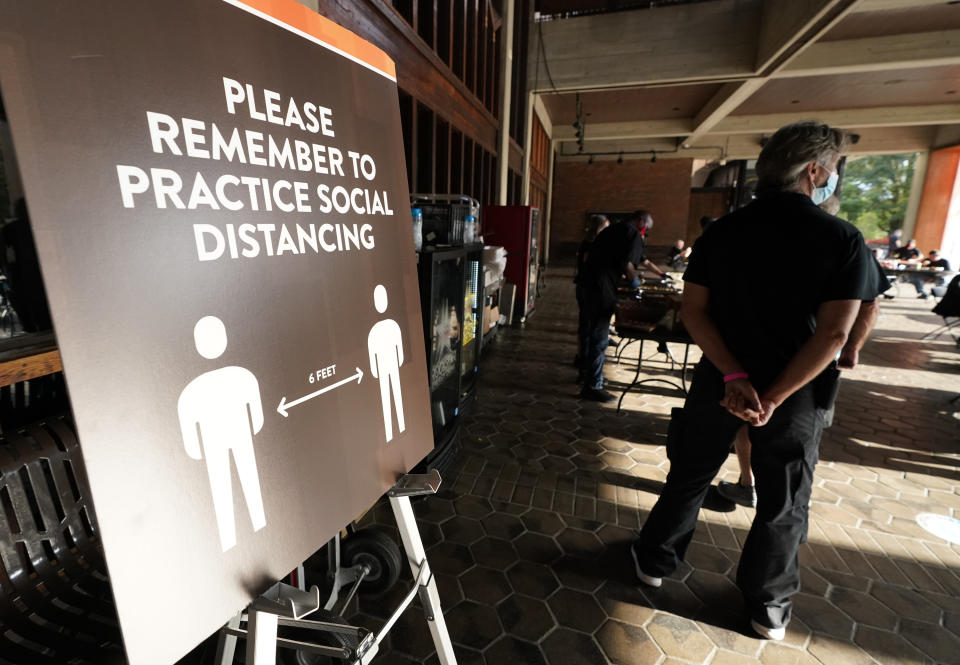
(741, 399)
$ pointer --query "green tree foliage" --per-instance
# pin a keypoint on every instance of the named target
(876, 190)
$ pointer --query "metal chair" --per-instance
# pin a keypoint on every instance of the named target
(949, 309)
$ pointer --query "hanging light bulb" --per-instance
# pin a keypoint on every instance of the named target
(620, 158)
(654, 158)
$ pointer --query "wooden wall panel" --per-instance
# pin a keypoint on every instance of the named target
(470, 72)
(539, 167)
(456, 161)
(447, 68)
(445, 31)
(426, 150)
(441, 183)
(420, 70)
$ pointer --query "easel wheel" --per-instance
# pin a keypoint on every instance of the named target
(378, 551)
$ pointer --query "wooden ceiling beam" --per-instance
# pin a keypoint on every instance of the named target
(888, 116)
(924, 49)
(787, 26)
(734, 147)
(625, 130)
(717, 41)
(724, 102)
(880, 5)
(873, 141)
(675, 44)
(609, 51)
(891, 140)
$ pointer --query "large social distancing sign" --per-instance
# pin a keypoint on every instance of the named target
(219, 202)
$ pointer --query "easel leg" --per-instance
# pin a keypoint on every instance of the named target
(262, 638)
(227, 644)
(417, 557)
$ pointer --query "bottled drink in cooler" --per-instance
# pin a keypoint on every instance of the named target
(469, 230)
(417, 215)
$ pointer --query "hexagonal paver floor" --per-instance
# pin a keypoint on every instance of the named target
(529, 533)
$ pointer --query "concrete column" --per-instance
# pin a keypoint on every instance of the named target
(549, 204)
(527, 142)
(939, 192)
(506, 82)
(916, 194)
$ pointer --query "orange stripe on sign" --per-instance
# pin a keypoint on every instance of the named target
(293, 15)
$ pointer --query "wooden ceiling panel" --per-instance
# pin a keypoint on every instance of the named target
(904, 87)
(560, 7)
(661, 103)
(889, 66)
(896, 22)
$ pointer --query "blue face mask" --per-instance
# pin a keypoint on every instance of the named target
(821, 194)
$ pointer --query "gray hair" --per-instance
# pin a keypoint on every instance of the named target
(596, 225)
(787, 153)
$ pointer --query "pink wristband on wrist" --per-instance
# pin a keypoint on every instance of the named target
(736, 375)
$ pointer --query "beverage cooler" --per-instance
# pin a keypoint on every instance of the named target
(441, 302)
(452, 323)
(472, 322)
(517, 229)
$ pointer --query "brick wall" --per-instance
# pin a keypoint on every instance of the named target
(662, 187)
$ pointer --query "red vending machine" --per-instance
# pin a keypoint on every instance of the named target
(516, 229)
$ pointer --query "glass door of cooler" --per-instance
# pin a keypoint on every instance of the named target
(534, 265)
(446, 334)
(472, 290)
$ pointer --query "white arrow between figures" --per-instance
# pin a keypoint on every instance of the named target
(284, 404)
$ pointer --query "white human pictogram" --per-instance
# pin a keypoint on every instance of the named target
(220, 411)
(385, 343)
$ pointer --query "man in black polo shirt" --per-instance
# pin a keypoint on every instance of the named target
(909, 254)
(618, 250)
(770, 324)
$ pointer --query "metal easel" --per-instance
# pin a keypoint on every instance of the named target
(285, 605)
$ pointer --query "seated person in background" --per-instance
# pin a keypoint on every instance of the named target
(934, 260)
(679, 254)
(908, 254)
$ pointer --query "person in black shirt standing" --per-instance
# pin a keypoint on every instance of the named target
(597, 224)
(909, 254)
(893, 242)
(770, 325)
(619, 250)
